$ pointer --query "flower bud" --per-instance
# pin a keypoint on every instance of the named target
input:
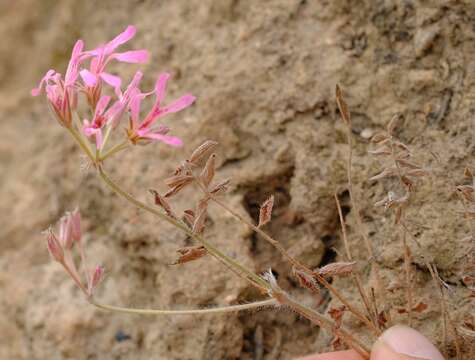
(54, 247)
(65, 233)
(95, 278)
(76, 225)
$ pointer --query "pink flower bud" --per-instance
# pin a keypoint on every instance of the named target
(65, 233)
(54, 247)
(95, 279)
(76, 225)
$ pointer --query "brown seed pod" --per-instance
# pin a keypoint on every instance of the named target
(202, 150)
(190, 253)
(337, 269)
(265, 213)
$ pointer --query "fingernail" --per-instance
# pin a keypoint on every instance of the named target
(407, 341)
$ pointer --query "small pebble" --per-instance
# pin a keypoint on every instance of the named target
(367, 133)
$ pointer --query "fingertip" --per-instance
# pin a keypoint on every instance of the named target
(404, 343)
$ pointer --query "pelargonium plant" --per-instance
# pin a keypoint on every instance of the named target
(110, 107)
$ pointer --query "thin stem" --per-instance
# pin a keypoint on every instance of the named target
(356, 277)
(115, 149)
(84, 146)
(350, 307)
(75, 278)
(259, 231)
(255, 279)
(296, 263)
(106, 137)
(317, 318)
(407, 270)
(216, 310)
(359, 226)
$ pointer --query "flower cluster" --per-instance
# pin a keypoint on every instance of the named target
(61, 245)
(86, 74)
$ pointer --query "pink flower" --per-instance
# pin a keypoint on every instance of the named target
(116, 111)
(146, 128)
(62, 94)
(103, 54)
(95, 126)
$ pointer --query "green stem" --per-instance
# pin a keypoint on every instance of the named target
(115, 149)
(85, 147)
(106, 137)
(255, 279)
(216, 310)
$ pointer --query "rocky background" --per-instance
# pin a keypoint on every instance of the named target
(264, 73)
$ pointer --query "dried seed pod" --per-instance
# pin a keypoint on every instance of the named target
(467, 192)
(418, 172)
(190, 253)
(408, 164)
(388, 172)
(393, 123)
(402, 146)
(265, 213)
(174, 190)
(337, 269)
(381, 151)
(199, 223)
(160, 201)
(305, 280)
(342, 106)
(420, 307)
(202, 150)
(220, 188)
(407, 182)
(208, 172)
(379, 137)
(179, 180)
(337, 314)
(189, 217)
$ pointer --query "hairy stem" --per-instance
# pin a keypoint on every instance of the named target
(296, 263)
(317, 318)
(356, 277)
(254, 278)
(216, 310)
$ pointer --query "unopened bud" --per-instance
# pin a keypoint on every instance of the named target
(65, 232)
(76, 225)
(95, 279)
(54, 247)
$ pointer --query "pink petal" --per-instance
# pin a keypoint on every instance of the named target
(115, 112)
(49, 74)
(169, 140)
(177, 105)
(73, 66)
(160, 87)
(88, 77)
(134, 106)
(122, 38)
(101, 105)
(135, 56)
(98, 138)
(112, 80)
